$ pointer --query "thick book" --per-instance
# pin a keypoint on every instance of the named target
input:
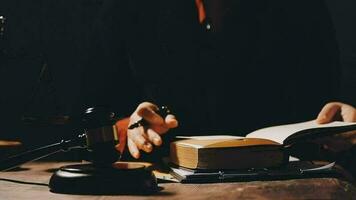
(263, 148)
(226, 152)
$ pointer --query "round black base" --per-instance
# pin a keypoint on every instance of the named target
(120, 178)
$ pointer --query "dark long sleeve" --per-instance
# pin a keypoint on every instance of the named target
(107, 78)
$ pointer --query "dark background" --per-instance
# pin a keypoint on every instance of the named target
(55, 34)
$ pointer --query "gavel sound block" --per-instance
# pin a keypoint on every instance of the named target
(119, 178)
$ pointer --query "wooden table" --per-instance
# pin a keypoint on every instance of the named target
(316, 188)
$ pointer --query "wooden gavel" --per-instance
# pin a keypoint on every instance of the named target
(99, 138)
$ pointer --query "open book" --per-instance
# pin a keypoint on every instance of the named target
(287, 134)
(267, 147)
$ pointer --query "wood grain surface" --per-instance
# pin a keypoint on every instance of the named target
(316, 188)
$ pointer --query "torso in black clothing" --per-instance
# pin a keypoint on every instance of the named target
(261, 63)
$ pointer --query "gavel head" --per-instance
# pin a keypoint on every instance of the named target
(101, 136)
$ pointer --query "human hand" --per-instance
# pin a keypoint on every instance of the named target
(144, 136)
(341, 142)
(336, 111)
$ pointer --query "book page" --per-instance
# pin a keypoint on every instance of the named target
(280, 133)
(203, 141)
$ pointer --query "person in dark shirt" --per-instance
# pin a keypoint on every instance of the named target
(236, 67)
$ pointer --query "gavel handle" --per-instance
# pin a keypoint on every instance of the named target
(35, 154)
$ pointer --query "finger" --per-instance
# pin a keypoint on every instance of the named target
(147, 105)
(171, 121)
(138, 136)
(154, 137)
(133, 149)
(348, 113)
(150, 115)
(328, 112)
